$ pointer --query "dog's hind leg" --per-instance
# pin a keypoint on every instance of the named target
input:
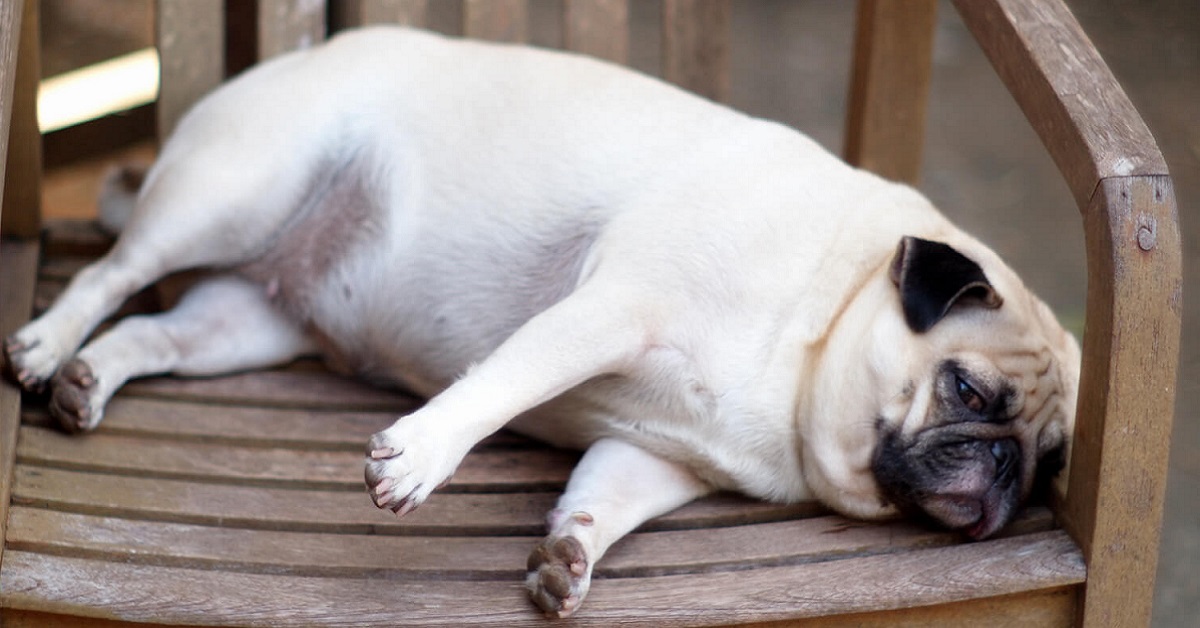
(221, 325)
(615, 488)
(182, 220)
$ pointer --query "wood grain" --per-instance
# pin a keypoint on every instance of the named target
(695, 39)
(541, 469)
(1068, 94)
(22, 176)
(190, 39)
(10, 43)
(283, 389)
(351, 13)
(597, 27)
(862, 584)
(641, 554)
(1118, 468)
(19, 261)
(1045, 608)
(889, 87)
(339, 511)
(496, 20)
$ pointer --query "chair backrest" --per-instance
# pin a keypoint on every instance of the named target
(195, 56)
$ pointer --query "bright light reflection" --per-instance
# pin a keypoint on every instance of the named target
(88, 93)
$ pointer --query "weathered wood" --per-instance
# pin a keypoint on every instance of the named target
(1045, 608)
(350, 13)
(861, 584)
(893, 59)
(20, 209)
(297, 428)
(695, 40)
(597, 27)
(34, 619)
(19, 261)
(10, 43)
(641, 554)
(539, 469)
(1126, 401)
(283, 389)
(340, 511)
(190, 40)
(1069, 95)
(286, 25)
(496, 20)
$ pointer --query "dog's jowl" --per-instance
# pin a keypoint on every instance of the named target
(699, 299)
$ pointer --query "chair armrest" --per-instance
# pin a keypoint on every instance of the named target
(1069, 95)
(1113, 505)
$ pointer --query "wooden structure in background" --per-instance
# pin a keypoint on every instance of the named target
(237, 501)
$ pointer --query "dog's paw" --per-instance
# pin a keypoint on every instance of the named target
(405, 464)
(76, 400)
(31, 360)
(559, 575)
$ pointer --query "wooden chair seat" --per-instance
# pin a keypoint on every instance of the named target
(238, 501)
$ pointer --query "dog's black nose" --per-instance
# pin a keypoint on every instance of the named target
(1006, 453)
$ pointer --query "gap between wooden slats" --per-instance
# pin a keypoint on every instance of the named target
(862, 584)
(344, 512)
(641, 554)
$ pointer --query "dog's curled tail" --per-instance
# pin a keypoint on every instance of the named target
(118, 195)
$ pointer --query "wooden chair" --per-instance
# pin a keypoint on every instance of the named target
(237, 501)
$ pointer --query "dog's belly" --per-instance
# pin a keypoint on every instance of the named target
(414, 306)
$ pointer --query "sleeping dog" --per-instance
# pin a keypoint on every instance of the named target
(698, 299)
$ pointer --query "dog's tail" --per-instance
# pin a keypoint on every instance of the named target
(118, 195)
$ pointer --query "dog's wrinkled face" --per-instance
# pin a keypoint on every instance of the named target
(987, 420)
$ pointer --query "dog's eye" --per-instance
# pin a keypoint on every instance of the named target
(969, 396)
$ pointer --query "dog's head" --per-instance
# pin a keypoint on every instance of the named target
(974, 385)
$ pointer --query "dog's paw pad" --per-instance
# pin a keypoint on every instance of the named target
(74, 398)
(559, 575)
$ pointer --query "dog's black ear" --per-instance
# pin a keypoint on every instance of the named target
(933, 277)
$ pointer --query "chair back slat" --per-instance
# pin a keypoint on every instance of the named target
(496, 20)
(347, 13)
(191, 51)
(597, 27)
(889, 88)
(695, 40)
(286, 25)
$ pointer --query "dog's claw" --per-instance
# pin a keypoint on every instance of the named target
(383, 453)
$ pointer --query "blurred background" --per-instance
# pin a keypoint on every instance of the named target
(791, 62)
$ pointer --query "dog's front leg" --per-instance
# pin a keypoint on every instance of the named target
(614, 489)
(587, 334)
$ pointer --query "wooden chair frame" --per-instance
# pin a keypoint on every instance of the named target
(1113, 507)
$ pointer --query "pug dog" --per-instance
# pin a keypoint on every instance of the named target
(699, 299)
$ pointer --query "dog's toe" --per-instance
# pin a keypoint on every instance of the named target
(559, 575)
(73, 400)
